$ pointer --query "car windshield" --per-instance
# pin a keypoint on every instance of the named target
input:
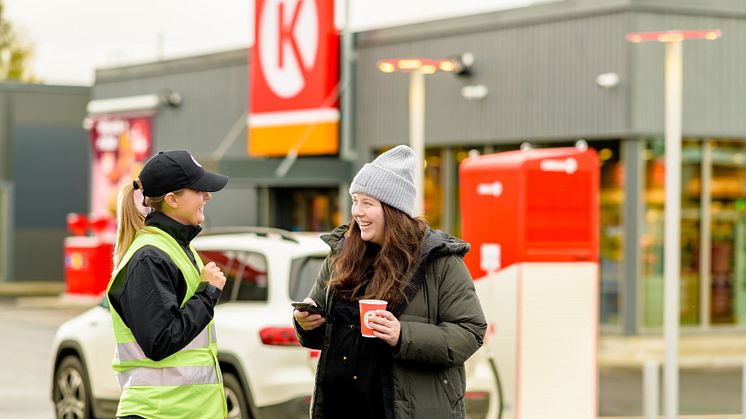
(303, 274)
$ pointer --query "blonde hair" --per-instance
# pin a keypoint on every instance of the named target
(130, 220)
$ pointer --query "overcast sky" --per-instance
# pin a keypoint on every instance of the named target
(73, 37)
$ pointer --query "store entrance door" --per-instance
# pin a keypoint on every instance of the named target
(304, 209)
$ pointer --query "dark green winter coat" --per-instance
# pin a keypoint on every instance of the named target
(441, 327)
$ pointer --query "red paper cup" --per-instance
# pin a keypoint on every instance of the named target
(367, 309)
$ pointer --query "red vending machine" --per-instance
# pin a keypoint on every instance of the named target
(532, 219)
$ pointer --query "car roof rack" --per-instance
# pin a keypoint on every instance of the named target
(259, 231)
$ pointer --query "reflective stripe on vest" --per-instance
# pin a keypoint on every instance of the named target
(172, 376)
(132, 351)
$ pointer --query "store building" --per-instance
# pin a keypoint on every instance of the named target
(535, 79)
(540, 66)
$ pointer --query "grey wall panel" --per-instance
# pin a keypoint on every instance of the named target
(51, 175)
(56, 106)
(232, 206)
(714, 93)
(38, 254)
(541, 81)
(213, 99)
(380, 99)
(5, 139)
(51, 180)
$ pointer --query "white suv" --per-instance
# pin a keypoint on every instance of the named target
(266, 373)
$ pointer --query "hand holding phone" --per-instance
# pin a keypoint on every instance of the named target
(309, 308)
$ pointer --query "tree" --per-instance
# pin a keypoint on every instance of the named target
(15, 53)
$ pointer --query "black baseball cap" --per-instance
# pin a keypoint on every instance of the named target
(169, 171)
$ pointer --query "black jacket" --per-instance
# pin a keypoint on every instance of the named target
(147, 295)
(441, 327)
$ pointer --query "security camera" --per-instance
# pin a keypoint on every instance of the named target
(170, 98)
(608, 80)
(464, 64)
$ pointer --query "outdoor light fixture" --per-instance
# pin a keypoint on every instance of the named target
(672, 209)
(165, 97)
(421, 65)
(674, 36)
(417, 69)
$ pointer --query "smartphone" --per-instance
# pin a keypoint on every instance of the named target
(310, 308)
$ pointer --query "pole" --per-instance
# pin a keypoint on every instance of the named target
(650, 387)
(672, 249)
(6, 230)
(417, 135)
(348, 147)
(743, 389)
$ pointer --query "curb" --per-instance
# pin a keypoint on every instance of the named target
(59, 301)
(31, 288)
(680, 417)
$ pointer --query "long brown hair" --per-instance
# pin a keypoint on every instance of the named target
(361, 270)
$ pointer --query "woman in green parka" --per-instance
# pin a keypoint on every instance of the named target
(433, 322)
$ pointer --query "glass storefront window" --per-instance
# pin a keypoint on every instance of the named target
(433, 191)
(723, 299)
(651, 285)
(305, 209)
(611, 244)
(727, 285)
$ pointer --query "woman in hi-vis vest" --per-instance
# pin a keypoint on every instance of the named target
(162, 298)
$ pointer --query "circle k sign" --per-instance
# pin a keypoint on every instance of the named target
(288, 41)
(294, 76)
(295, 56)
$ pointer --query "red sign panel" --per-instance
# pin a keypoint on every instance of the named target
(294, 77)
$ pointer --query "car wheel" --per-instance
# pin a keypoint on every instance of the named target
(71, 392)
(235, 399)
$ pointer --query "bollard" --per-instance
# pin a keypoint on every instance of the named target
(743, 389)
(650, 389)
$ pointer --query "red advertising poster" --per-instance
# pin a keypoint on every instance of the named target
(121, 145)
(294, 79)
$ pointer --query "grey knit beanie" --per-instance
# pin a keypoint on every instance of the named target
(390, 179)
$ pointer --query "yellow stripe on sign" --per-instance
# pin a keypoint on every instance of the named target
(276, 141)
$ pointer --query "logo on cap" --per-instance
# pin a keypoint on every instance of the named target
(195, 161)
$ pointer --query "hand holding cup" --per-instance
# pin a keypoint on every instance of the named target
(376, 322)
(385, 326)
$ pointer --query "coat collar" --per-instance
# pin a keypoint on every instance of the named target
(183, 234)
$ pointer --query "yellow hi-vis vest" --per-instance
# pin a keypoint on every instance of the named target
(187, 384)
